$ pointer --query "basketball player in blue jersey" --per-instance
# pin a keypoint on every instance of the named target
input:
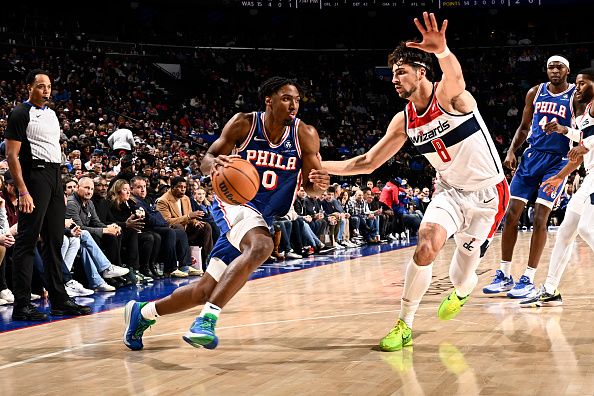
(282, 148)
(579, 217)
(547, 122)
(443, 122)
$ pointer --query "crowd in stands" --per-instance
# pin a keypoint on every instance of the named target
(138, 206)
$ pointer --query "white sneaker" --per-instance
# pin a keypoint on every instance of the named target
(347, 243)
(292, 255)
(194, 271)
(104, 287)
(113, 270)
(178, 274)
(75, 289)
(7, 295)
(3, 302)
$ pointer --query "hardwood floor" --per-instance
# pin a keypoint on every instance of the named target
(315, 332)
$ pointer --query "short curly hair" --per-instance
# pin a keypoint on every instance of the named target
(273, 84)
(413, 57)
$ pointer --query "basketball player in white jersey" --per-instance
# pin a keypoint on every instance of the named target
(579, 217)
(443, 122)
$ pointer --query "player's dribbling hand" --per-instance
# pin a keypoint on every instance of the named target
(221, 160)
(434, 40)
(320, 178)
(510, 162)
(551, 185)
(576, 153)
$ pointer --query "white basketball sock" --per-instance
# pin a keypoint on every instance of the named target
(505, 267)
(211, 309)
(530, 272)
(561, 254)
(416, 282)
(149, 311)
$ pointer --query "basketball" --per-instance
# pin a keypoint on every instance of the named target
(236, 183)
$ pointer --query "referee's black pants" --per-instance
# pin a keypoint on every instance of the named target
(47, 220)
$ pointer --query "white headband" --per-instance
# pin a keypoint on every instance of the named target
(558, 58)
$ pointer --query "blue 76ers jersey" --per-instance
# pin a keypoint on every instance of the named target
(551, 107)
(279, 166)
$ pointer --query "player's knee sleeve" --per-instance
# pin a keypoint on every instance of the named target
(462, 270)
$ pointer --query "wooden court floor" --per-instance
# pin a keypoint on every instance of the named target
(314, 332)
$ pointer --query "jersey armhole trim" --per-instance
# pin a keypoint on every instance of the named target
(537, 94)
(297, 145)
(452, 114)
(250, 134)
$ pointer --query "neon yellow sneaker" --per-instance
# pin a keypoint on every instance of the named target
(399, 337)
(450, 306)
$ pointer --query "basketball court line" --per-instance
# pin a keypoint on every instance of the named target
(345, 258)
(504, 304)
(44, 356)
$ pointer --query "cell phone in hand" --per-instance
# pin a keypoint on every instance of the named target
(72, 226)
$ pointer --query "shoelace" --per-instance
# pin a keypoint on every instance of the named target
(207, 324)
(395, 329)
(144, 324)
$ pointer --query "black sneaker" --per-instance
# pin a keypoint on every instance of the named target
(69, 308)
(28, 313)
(543, 299)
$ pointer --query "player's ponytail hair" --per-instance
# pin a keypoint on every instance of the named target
(273, 84)
(413, 57)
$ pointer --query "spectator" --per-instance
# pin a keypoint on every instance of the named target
(121, 140)
(176, 249)
(81, 209)
(141, 247)
(176, 208)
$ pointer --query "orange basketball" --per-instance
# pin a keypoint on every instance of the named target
(236, 183)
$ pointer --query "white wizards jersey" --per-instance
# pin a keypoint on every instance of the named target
(459, 147)
(585, 124)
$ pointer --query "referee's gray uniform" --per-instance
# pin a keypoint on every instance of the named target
(38, 130)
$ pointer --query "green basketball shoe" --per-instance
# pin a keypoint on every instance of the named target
(450, 306)
(399, 337)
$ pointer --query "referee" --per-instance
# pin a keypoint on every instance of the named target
(34, 155)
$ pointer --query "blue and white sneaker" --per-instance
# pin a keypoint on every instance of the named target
(135, 325)
(500, 284)
(202, 332)
(523, 289)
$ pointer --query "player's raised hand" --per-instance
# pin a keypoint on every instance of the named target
(434, 40)
(551, 185)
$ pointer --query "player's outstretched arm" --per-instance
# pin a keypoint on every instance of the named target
(521, 134)
(382, 151)
(315, 179)
(451, 91)
(233, 134)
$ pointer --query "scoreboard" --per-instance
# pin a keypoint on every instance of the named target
(386, 4)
